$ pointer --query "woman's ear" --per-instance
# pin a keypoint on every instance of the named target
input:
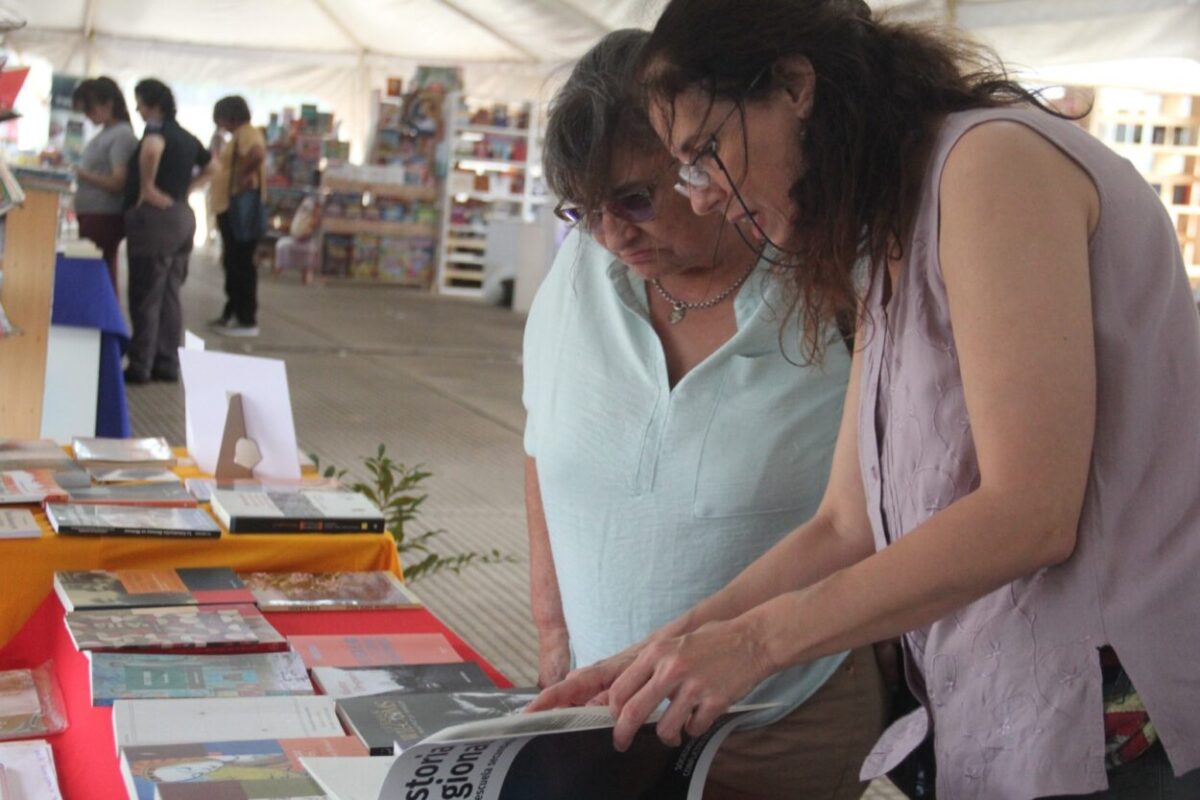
(795, 75)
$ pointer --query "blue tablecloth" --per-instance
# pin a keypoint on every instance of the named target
(84, 298)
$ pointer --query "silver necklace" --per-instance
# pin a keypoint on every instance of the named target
(679, 308)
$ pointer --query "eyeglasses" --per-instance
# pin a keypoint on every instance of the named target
(693, 175)
(636, 207)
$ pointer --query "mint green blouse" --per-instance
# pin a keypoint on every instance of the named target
(656, 497)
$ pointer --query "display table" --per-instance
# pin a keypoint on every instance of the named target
(85, 754)
(27, 566)
(84, 298)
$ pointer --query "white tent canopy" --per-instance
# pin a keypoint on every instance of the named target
(338, 50)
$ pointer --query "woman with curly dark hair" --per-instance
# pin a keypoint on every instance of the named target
(1013, 491)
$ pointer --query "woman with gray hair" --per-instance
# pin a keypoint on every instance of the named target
(672, 434)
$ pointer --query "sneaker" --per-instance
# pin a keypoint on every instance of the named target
(219, 322)
(239, 330)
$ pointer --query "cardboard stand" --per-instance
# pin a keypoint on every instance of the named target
(239, 453)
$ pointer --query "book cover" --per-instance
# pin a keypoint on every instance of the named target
(317, 591)
(158, 722)
(296, 511)
(133, 475)
(140, 588)
(27, 771)
(145, 676)
(110, 520)
(563, 753)
(256, 767)
(29, 486)
(94, 450)
(158, 628)
(299, 787)
(33, 454)
(388, 723)
(160, 494)
(340, 682)
(19, 523)
(20, 705)
(378, 650)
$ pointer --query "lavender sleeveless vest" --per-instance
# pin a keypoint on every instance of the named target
(1011, 682)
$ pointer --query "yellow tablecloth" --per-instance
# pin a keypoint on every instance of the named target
(27, 566)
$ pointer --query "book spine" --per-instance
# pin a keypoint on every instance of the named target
(278, 525)
(100, 530)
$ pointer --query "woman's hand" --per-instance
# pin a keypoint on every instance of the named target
(702, 673)
(157, 199)
(585, 686)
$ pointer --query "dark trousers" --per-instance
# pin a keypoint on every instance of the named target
(107, 231)
(160, 243)
(241, 276)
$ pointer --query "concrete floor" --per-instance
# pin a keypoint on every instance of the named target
(436, 380)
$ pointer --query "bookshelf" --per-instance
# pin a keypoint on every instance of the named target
(27, 291)
(375, 226)
(493, 171)
(1160, 135)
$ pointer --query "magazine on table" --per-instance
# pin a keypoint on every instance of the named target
(392, 722)
(565, 754)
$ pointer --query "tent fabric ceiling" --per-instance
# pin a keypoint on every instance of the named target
(552, 31)
(337, 50)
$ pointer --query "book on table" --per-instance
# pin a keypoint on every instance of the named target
(151, 495)
(139, 723)
(303, 510)
(129, 676)
(202, 488)
(349, 778)
(174, 630)
(33, 454)
(20, 486)
(342, 682)
(27, 771)
(99, 452)
(23, 695)
(374, 650)
(116, 520)
(566, 754)
(258, 768)
(138, 588)
(19, 523)
(133, 475)
(328, 591)
(391, 723)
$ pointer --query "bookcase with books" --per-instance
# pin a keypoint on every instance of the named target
(1160, 135)
(379, 221)
(493, 172)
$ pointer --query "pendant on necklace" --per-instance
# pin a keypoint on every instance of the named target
(678, 312)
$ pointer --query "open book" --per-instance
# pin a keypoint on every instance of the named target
(565, 753)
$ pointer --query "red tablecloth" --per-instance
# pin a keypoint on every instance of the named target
(84, 753)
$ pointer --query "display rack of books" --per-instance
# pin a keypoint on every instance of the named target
(299, 146)
(1160, 135)
(379, 223)
(493, 171)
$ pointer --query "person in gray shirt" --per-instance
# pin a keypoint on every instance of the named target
(102, 169)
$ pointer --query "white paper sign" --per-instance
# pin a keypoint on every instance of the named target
(208, 379)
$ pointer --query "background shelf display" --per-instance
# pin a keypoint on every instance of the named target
(493, 171)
